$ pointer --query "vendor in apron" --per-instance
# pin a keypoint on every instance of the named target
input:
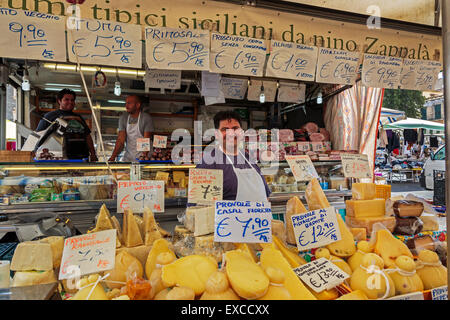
(133, 124)
(242, 180)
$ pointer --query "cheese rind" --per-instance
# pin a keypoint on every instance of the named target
(366, 208)
(32, 255)
(363, 191)
(367, 223)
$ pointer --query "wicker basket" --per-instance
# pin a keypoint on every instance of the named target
(15, 156)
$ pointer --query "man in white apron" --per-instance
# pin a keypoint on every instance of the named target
(133, 124)
(242, 180)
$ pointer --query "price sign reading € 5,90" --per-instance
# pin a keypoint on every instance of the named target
(356, 166)
(316, 229)
(302, 168)
(243, 222)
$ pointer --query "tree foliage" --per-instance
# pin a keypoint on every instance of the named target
(409, 101)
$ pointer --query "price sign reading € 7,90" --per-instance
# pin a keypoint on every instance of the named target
(356, 166)
(205, 186)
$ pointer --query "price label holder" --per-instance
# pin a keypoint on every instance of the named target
(143, 144)
(321, 274)
(243, 222)
(409, 296)
(88, 253)
(136, 195)
(302, 168)
(316, 228)
(440, 293)
(356, 166)
(205, 186)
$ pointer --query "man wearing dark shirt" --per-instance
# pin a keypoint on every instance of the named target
(242, 180)
(77, 138)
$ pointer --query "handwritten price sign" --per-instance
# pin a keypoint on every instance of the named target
(234, 88)
(237, 55)
(292, 61)
(159, 141)
(356, 166)
(302, 168)
(243, 222)
(177, 49)
(316, 229)
(321, 274)
(105, 43)
(32, 35)
(205, 186)
(337, 66)
(136, 195)
(419, 74)
(143, 144)
(381, 71)
(88, 253)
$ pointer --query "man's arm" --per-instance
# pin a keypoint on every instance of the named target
(120, 143)
(90, 143)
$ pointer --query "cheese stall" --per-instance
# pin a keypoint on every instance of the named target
(309, 91)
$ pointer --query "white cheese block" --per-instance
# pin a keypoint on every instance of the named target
(204, 221)
(32, 255)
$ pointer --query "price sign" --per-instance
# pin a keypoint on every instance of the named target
(316, 228)
(237, 55)
(337, 66)
(440, 293)
(105, 43)
(162, 79)
(409, 296)
(302, 168)
(243, 222)
(32, 35)
(321, 274)
(136, 195)
(143, 144)
(381, 71)
(356, 166)
(205, 186)
(159, 141)
(254, 90)
(234, 88)
(292, 61)
(294, 93)
(419, 74)
(88, 253)
(177, 49)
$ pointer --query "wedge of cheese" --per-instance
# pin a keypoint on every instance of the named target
(315, 197)
(363, 191)
(293, 207)
(200, 220)
(139, 252)
(151, 232)
(131, 233)
(57, 246)
(366, 208)
(430, 222)
(367, 223)
(359, 234)
(32, 255)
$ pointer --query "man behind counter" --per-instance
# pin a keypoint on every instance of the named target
(133, 124)
(77, 137)
(241, 179)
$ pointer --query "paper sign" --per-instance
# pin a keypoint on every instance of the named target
(215, 100)
(337, 66)
(143, 144)
(210, 84)
(291, 93)
(302, 168)
(243, 222)
(136, 195)
(177, 49)
(440, 293)
(356, 166)
(159, 141)
(254, 90)
(105, 43)
(162, 79)
(292, 61)
(321, 274)
(88, 253)
(381, 71)
(234, 88)
(237, 55)
(205, 186)
(409, 296)
(419, 75)
(316, 228)
(32, 35)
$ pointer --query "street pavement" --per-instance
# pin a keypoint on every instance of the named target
(403, 188)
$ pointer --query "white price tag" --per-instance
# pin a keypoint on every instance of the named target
(136, 195)
(356, 166)
(440, 293)
(159, 141)
(143, 144)
(302, 168)
(409, 296)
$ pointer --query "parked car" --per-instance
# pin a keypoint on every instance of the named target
(435, 162)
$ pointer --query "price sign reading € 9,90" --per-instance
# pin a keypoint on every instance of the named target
(356, 166)
(243, 222)
(315, 229)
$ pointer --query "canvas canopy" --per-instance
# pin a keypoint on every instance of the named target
(411, 123)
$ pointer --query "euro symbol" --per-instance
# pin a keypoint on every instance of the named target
(300, 240)
(219, 226)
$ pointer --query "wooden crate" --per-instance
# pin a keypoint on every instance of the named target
(15, 156)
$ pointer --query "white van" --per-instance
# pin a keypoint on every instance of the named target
(435, 162)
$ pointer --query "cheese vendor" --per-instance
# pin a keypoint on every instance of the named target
(242, 178)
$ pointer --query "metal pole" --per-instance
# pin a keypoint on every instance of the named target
(446, 55)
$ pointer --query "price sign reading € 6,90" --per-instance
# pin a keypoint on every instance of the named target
(302, 168)
(316, 229)
(243, 222)
(356, 166)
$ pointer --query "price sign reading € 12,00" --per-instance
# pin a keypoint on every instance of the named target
(356, 166)
(302, 168)
(321, 274)
(205, 186)
(243, 222)
(316, 229)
